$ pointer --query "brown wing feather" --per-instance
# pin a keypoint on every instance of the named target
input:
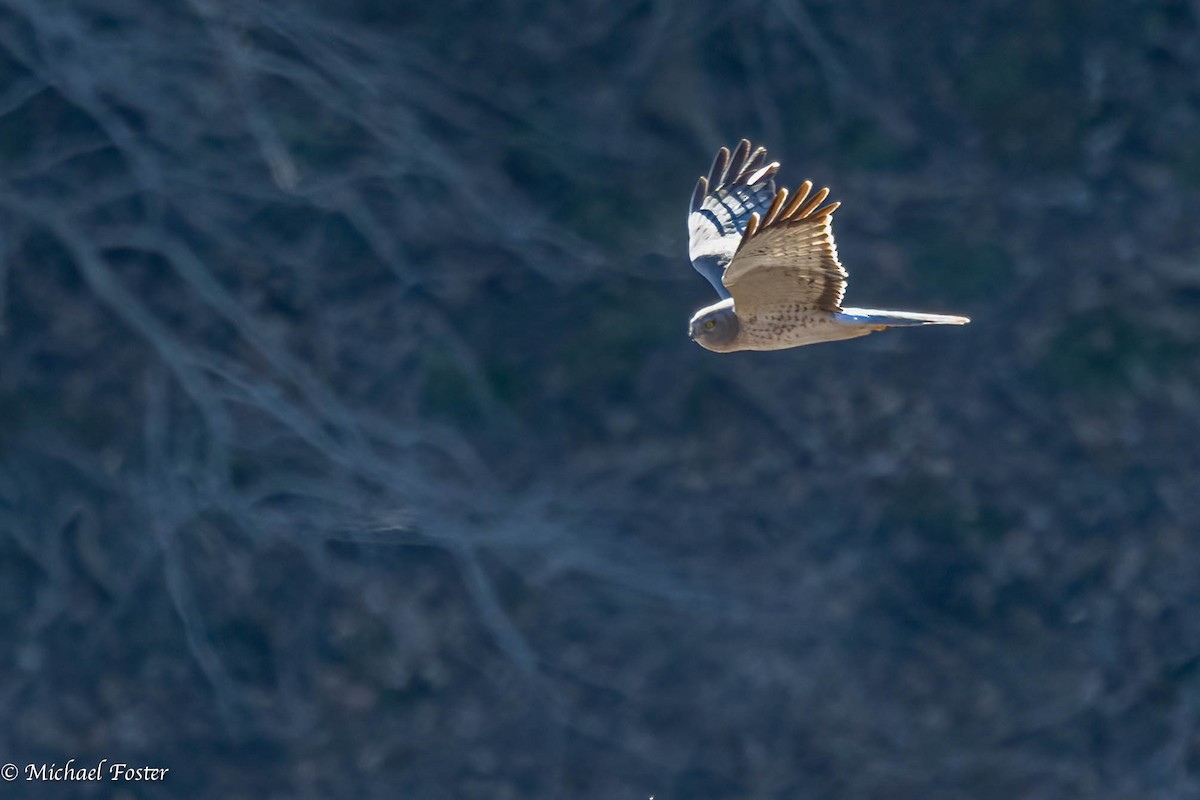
(789, 256)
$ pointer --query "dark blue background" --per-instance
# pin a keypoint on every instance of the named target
(352, 445)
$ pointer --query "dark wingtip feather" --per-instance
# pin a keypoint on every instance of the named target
(737, 162)
(753, 170)
(698, 195)
(716, 175)
(742, 167)
(755, 161)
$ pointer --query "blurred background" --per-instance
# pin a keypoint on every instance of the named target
(352, 445)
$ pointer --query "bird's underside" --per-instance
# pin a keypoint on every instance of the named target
(772, 258)
(792, 325)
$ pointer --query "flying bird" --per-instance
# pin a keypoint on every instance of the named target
(773, 262)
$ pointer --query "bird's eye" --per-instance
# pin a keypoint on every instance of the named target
(710, 324)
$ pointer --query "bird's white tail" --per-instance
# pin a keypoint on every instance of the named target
(896, 319)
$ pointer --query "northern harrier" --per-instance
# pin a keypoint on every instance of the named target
(774, 263)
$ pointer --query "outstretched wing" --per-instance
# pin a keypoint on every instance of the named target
(787, 255)
(736, 188)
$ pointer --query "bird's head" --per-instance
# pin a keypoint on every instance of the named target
(715, 327)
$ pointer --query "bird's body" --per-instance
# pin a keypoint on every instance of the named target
(774, 263)
(783, 325)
